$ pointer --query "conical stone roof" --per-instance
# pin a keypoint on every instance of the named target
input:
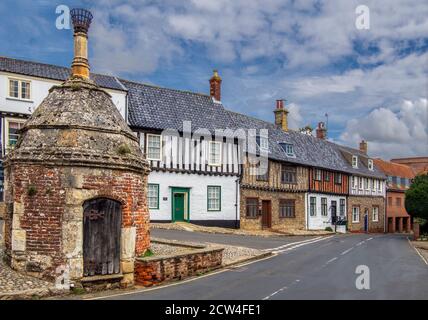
(78, 124)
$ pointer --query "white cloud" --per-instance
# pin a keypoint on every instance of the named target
(392, 134)
(306, 43)
(295, 119)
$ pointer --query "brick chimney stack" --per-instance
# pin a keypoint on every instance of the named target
(281, 115)
(321, 131)
(81, 19)
(215, 86)
(363, 146)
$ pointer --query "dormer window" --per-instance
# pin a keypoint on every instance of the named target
(263, 143)
(354, 162)
(370, 164)
(288, 149)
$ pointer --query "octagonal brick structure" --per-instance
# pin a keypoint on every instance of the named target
(75, 147)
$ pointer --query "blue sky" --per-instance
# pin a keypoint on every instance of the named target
(372, 83)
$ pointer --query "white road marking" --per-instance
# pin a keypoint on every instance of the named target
(369, 239)
(290, 244)
(331, 260)
(417, 251)
(360, 243)
(301, 244)
(276, 292)
(346, 251)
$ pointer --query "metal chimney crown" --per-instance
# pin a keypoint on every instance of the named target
(81, 19)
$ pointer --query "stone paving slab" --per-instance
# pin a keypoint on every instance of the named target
(14, 285)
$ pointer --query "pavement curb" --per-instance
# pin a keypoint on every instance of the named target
(254, 258)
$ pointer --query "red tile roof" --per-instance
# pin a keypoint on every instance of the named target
(394, 169)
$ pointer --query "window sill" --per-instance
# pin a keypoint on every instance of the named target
(18, 99)
(288, 217)
(252, 218)
(355, 221)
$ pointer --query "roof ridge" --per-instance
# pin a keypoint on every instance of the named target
(53, 65)
(166, 88)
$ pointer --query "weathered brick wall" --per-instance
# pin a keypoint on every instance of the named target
(364, 202)
(151, 271)
(280, 224)
(47, 224)
(274, 180)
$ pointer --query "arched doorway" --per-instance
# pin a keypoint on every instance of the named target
(102, 219)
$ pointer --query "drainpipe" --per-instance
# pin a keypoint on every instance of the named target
(237, 220)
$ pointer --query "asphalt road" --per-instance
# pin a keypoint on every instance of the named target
(320, 270)
(230, 239)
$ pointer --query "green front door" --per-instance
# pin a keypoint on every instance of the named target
(178, 206)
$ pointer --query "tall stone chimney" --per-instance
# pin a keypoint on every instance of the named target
(81, 22)
(281, 115)
(321, 131)
(363, 146)
(215, 86)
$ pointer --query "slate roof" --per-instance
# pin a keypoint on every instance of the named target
(309, 150)
(48, 71)
(157, 108)
(161, 108)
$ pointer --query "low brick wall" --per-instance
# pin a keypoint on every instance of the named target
(157, 269)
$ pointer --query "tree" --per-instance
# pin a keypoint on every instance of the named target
(416, 202)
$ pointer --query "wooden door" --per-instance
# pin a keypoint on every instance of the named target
(266, 214)
(102, 219)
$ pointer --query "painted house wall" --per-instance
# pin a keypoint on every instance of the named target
(366, 186)
(39, 88)
(182, 154)
(198, 185)
(319, 221)
(324, 186)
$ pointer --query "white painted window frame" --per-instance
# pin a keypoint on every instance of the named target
(6, 133)
(148, 135)
(358, 215)
(210, 162)
(377, 214)
(370, 165)
(354, 161)
(20, 81)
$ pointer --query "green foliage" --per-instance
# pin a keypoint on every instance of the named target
(123, 149)
(416, 201)
(78, 290)
(148, 253)
(32, 190)
(329, 229)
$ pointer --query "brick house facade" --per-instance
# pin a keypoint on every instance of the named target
(366, 210)
(269, 202)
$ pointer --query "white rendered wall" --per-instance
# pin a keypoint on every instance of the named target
(198, 195)
(39, 90)
(320, 222)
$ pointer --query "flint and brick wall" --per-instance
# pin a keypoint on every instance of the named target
(47, 224)
(279, 224)
(274, 190)
(155, 270)
(364, 202)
